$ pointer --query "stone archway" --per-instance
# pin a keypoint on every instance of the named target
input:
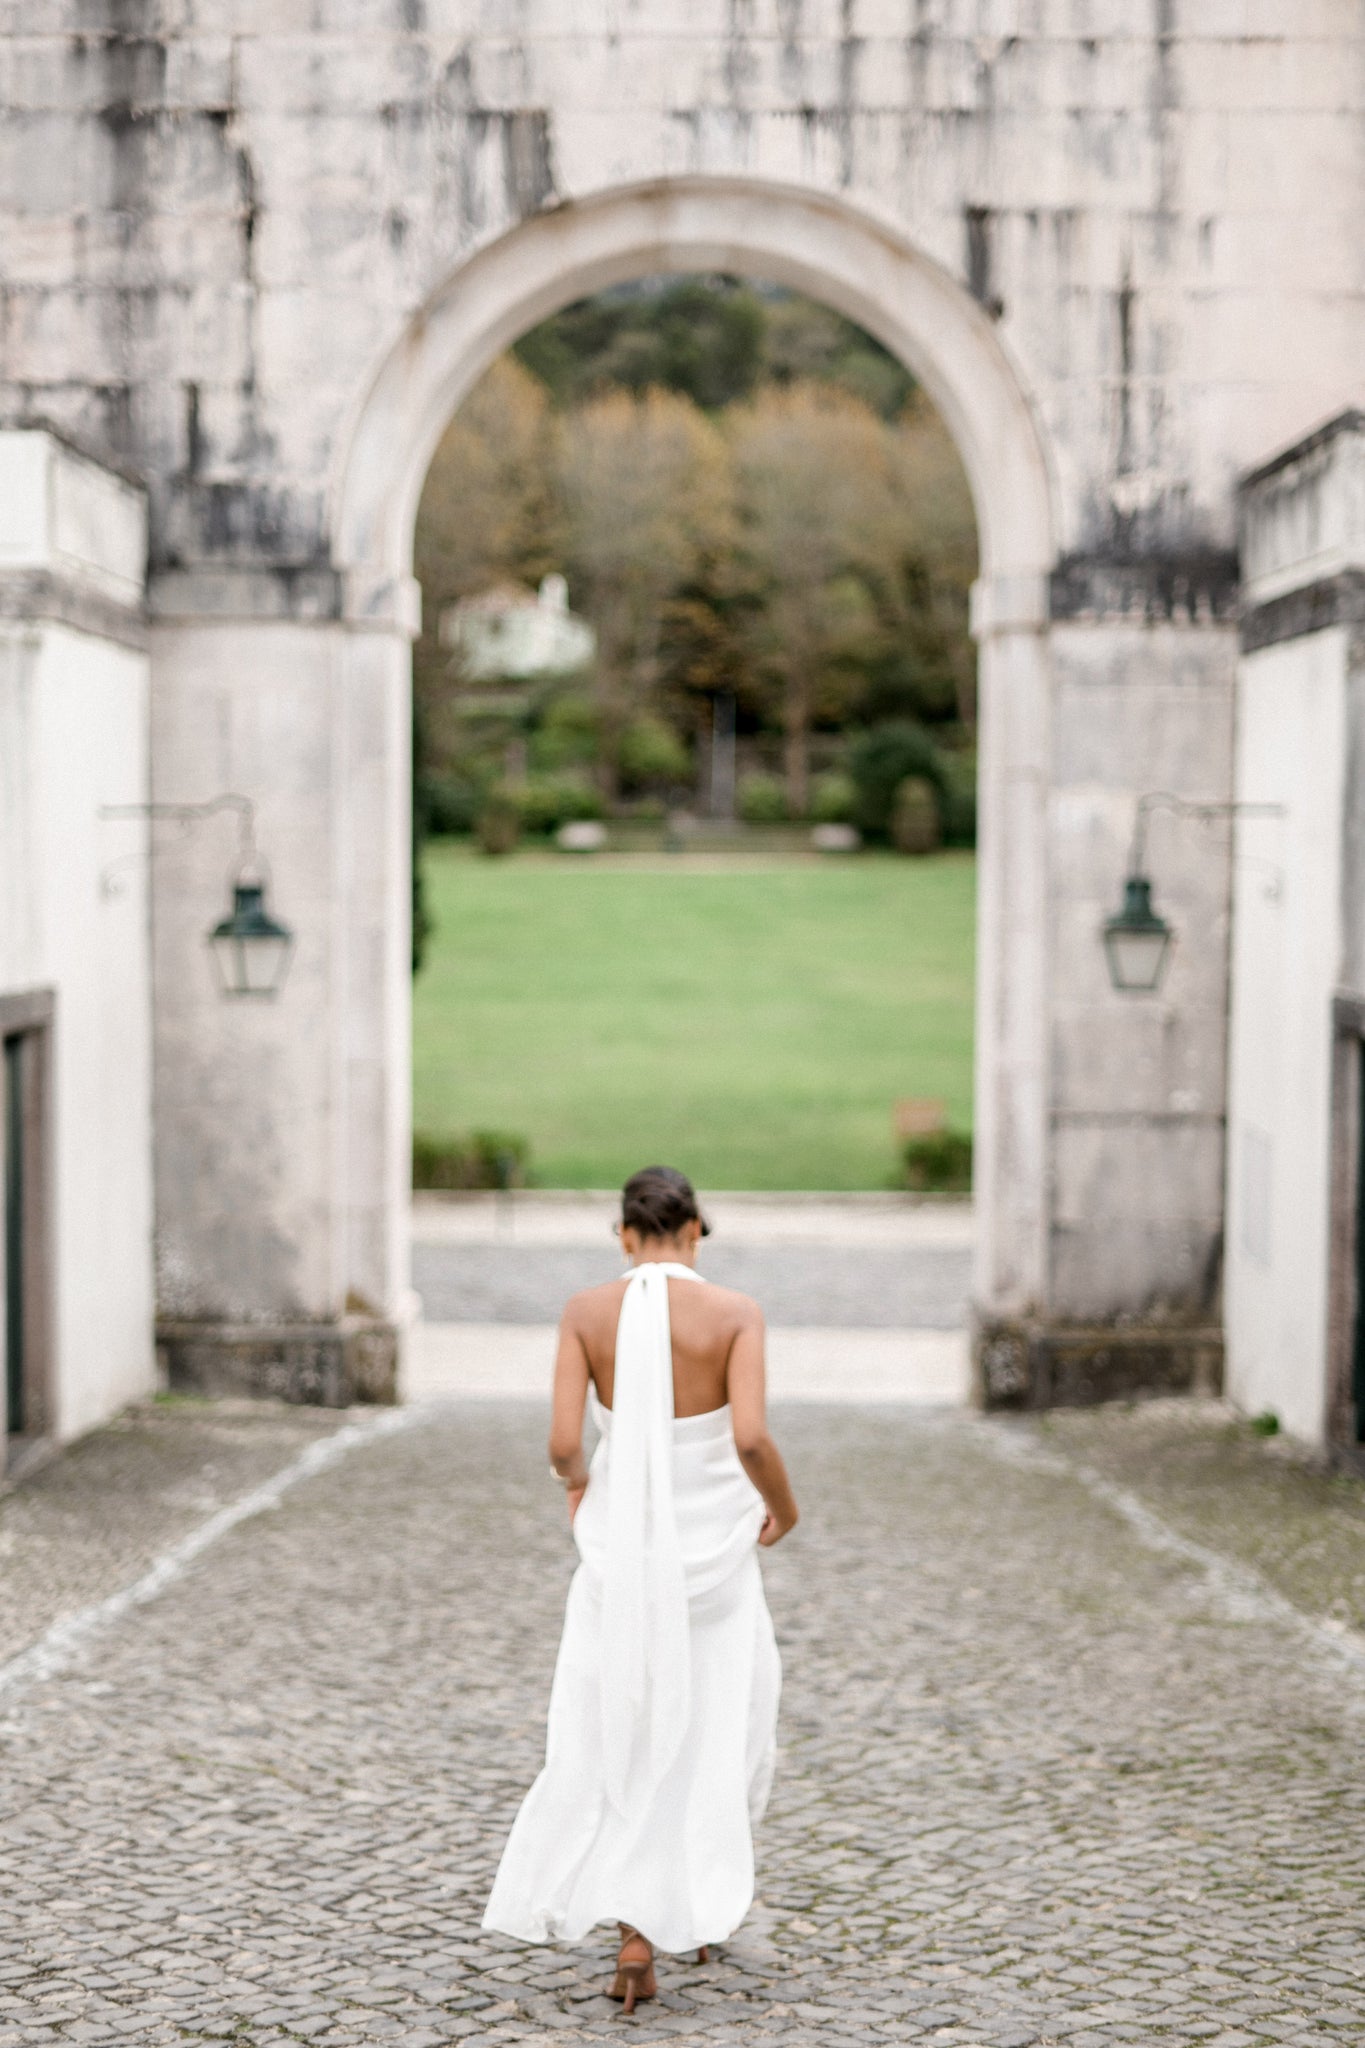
(857, 264)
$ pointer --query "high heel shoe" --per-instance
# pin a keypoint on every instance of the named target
(634, 1972)
(703, 1954)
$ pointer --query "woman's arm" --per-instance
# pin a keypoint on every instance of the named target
(759, 1455)
(566, 1420)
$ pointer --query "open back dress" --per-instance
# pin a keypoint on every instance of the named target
(663, 1713)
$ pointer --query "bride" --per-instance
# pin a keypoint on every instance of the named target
(662, 1725)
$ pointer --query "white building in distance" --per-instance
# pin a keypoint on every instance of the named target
(510, 634)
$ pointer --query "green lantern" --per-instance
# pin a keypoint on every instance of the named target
(251, 949)
(1137, 940)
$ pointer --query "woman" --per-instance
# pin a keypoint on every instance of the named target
(662, 1727)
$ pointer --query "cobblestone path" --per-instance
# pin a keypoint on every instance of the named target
(1041, 1782)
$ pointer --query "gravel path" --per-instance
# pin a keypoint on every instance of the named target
(1043, 1781)
(841, 1286)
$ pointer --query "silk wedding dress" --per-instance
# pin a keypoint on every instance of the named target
(663, 1712)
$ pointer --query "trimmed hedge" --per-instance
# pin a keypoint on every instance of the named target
(484, 1159)
(939, 1163)
(880, 760)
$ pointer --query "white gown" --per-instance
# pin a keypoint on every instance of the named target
(663, 1712)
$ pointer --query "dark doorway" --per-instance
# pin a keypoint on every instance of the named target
(1346, 1300)
(25, 1034)
(15, 1235)
(1356, 1415)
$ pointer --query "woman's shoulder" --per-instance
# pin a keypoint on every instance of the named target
(590, 1303)
(727, 1304)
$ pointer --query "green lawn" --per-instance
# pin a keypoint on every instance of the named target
(750, 1019)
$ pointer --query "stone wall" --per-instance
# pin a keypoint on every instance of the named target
(217, 220)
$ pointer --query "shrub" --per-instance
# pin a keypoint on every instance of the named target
(879, 761)
(761, 800)
(915, 823)
(567, 736)
(484, 1159)
(651, 753)
(545, 802)
(449, 804)
(499, 824)
(939, 1162)
(833, 797)
(958, 797)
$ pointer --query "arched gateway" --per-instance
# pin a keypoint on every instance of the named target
(250, 268)
(832, 252)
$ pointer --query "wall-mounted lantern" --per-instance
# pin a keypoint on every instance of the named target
(251, 948)
(1137, 939)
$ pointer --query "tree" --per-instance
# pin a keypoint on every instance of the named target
(809, 564)
(713, 339)
(647, 500)
(488, 514)
(808, 343)
(817, 495)
(927, 582)
(699, 336)
(488, 508)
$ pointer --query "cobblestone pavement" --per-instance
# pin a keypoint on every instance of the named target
(1042, 1781)
(95, 1518)
(1260, 1501)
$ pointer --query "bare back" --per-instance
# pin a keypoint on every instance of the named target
(718, 1362)
(706, 1322)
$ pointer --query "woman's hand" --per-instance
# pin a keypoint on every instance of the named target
(774, 1530)
(574, 1496)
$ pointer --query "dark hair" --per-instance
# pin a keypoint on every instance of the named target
(658, 1200)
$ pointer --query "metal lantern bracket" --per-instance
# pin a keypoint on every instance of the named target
(185, 815)
(1186, 807)
(1137, 939)
(251, 948)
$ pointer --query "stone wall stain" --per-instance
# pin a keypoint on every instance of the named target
(790, 24)
(527, 161)
(979, 223)
(843, 120)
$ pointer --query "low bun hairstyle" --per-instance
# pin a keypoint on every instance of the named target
(658, 1200)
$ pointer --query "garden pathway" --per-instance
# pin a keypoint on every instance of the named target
(865, 1296)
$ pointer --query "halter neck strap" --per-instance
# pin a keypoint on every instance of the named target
(674, 1270)
(646, 1662)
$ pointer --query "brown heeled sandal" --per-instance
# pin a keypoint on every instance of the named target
(634, 1971)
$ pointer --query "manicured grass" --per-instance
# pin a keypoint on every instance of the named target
(750, 1019)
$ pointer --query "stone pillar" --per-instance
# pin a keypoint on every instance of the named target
(1129, 692)
(1298, 986)
(1009, 620)
(282, 1126)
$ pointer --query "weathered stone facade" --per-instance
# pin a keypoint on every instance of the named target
(258, 253)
